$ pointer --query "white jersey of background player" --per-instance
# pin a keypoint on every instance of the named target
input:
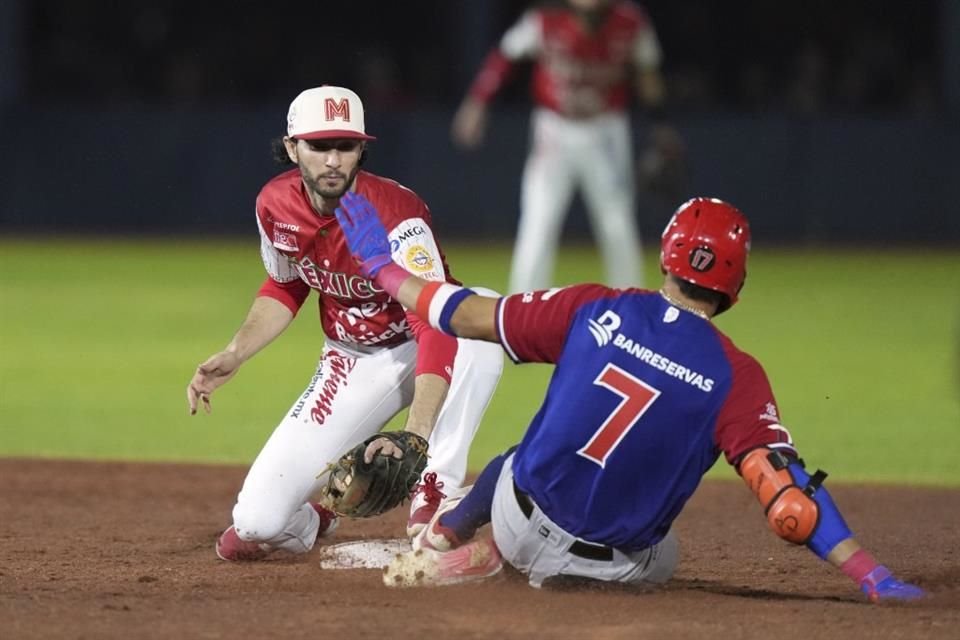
(376, 359)
(587, 54)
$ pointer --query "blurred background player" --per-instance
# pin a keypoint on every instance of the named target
(376, 359)
(646, 395)
(587, 55)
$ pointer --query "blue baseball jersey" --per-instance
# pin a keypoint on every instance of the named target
(644, 398)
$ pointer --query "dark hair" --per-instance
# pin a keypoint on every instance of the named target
(702, 294)
(279, 152)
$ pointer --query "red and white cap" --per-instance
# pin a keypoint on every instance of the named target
(326, 112)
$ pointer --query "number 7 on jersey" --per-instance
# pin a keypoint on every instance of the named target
(637, 396)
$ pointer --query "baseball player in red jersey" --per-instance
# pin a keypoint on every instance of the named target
(376, 359)
(646, 395)
(587, 56)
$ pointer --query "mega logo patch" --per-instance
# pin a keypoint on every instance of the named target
(417, 259)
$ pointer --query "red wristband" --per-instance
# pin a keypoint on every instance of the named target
(390, 277)
(423, 300)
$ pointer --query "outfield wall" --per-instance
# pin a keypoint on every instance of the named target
(153, 170)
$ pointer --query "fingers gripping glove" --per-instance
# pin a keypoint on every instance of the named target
(365, 234)
(359, 489)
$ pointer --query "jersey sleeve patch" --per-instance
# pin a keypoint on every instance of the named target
(414, 248)
(277, 265)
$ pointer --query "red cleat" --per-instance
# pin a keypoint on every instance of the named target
(231, 548)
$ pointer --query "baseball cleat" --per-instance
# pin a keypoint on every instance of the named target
(880, 584)
(436, 536)
(424, 502)
(430, 568)
(232, 549)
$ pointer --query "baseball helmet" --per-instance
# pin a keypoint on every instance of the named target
(706, 242)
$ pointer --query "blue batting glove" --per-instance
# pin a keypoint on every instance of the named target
(365, 234)
(880, 584)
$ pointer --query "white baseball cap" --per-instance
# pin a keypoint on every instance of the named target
(326, 112)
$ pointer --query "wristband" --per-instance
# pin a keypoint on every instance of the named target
(423, 300)
(390, 277)
(446, 315)
(372, 266)
(437, 302)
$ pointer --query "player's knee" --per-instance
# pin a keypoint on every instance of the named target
(255, 524)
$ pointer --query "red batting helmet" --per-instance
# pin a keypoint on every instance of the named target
(706, 242)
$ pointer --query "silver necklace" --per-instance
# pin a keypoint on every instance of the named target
(685, 307)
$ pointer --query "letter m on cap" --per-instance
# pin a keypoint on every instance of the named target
(337, 109)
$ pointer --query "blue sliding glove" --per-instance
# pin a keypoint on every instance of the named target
(880, 584)
(366, 235)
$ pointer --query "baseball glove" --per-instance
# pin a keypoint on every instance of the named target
(359, 489)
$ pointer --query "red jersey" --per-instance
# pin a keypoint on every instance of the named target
(303, 250)
(578, 71)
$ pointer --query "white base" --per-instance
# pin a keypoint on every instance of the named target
(362, 554)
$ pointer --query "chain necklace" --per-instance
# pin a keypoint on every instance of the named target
(685, 307)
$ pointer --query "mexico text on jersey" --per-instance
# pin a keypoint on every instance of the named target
(303, 250)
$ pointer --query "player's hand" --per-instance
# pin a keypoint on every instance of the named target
(469, 124)
(880, 584)
(366, 235)
(212, 373)
(384, 447)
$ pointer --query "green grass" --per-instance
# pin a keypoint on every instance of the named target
(99, 338)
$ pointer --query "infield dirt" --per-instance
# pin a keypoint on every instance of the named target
(122, 550)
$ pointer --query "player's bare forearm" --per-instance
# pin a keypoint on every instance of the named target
(430, 391)
(474, 318)
(266, 320)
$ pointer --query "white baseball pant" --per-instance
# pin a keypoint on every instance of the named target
(596, 156)
(354, 392)
(539, 548)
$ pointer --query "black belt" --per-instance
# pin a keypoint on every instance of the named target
(586, 550)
